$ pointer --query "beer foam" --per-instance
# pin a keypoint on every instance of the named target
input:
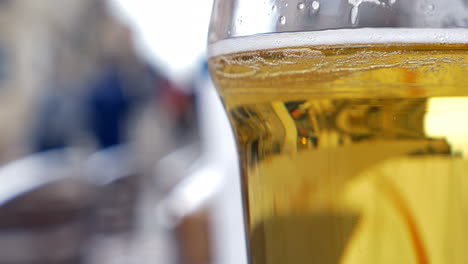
(342, 37)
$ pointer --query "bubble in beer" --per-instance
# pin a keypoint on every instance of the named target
(282, 20)
(442, 38)
(300, 6)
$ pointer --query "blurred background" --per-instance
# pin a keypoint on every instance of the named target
(114, 146)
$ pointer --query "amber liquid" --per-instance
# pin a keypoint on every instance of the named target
(351, 154)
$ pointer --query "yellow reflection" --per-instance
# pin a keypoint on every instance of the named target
(303, 140)
(447, 118)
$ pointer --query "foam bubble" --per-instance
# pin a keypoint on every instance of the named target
(340, 37)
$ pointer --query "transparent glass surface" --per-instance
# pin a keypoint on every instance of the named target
(350, 119)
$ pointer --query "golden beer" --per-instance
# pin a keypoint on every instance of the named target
(351, 153)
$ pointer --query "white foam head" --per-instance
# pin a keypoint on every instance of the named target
(340, 37)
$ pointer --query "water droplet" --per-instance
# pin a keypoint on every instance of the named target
(315, 6)
(282, 20)
(239, 20)
(212, 37)
(300, 6)
(357, 3)
(429, 8)
(286, 5)
(273, 8)
(354, 14)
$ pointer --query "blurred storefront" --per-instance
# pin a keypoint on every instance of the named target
(78, 99)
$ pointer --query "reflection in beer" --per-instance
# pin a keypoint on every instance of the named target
(351, 153)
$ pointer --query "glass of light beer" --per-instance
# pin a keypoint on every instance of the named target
(351, 122)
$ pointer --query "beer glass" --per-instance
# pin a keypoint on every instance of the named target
(351, 122)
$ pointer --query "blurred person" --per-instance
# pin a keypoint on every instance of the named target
(123, 85)
(98, 86)
(108, 107)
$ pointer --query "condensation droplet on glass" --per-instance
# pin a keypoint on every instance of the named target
(239, 21)
(355, 8)
(212, 37)
(429, 8)
(273, 7)
(354, 14)
(315, 6)
(300, 6)
(282, 20)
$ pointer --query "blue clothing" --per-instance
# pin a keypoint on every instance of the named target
(108, 108)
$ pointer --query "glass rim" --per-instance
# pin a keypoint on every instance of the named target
(339, 37)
